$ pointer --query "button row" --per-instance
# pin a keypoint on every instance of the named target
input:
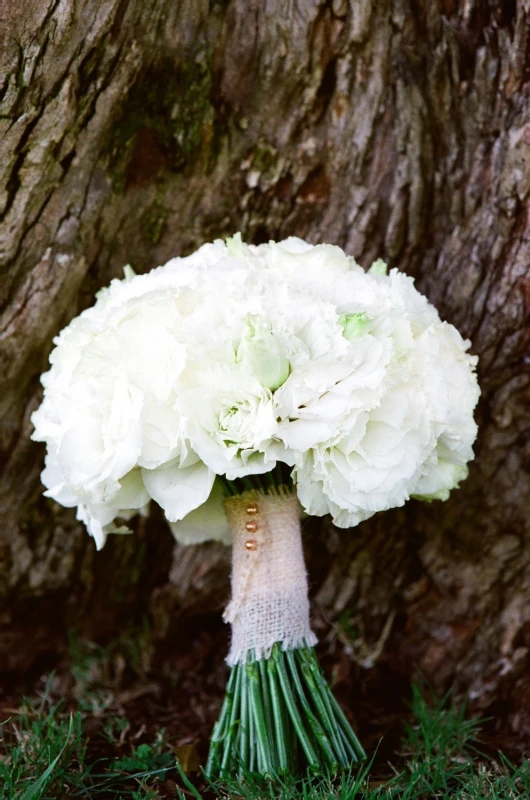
(251, 526)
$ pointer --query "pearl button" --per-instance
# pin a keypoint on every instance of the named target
(251, 544)
(252, 508)
(251, 526)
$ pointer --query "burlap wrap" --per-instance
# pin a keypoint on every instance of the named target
(269, 581)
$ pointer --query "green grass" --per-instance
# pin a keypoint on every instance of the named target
(44, 758)
(45, 754)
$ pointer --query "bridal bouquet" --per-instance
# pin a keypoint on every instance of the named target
(236, 387)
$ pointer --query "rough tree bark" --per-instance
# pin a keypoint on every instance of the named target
(134, 131)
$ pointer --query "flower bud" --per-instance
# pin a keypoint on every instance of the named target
(354, 325)
(379, 267)
(262, 355)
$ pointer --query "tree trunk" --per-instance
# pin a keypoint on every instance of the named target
(133, 132)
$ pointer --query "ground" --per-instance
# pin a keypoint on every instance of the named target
(110, 722)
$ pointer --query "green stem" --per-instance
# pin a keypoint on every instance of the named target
(346, 727)
(308, 655)
(269, 715)
(219, 731)
(244, 721)
(279, 717)
(258, 713)
(251, 737)
(248, 484)
(272, 706)
(341, 723)
(292, 708)
(231, 735)
(315, 683)
(316, 727)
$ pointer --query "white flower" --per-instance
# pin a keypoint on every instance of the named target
(320, 399)
(207, 522)
(412, 437)
(180, 486)
(452, 392)
(227, 360)
(110, 406)
(231, 419)
(371, 466)
(303, 263)
(93, 428)
(128, 500)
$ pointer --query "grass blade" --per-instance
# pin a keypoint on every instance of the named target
(35, 790)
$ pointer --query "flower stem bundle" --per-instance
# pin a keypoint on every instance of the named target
(280, 716)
